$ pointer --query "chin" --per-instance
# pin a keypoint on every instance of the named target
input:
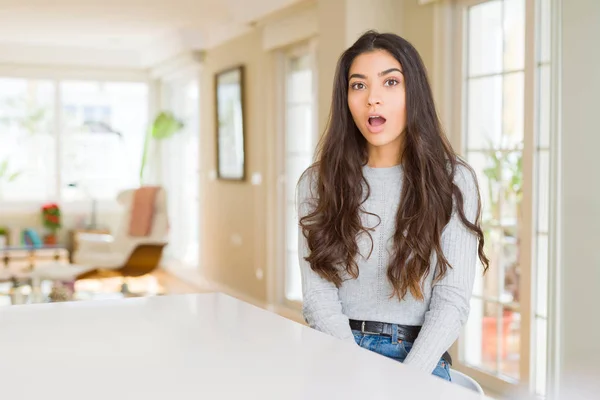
(379, 140)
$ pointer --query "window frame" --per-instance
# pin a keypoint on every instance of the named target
(452, 17)
(305, 47)
(56, 75)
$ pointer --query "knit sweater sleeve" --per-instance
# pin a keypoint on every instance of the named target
(321, 305)
(449, 306)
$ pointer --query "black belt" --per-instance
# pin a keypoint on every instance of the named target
(406, 333)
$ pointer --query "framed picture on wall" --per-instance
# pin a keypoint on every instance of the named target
(229, 100)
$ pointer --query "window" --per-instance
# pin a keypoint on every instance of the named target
(505, 137)
(28, 134)
(179, 160)
(298, 146)
(102, 136)
(69, 140)
(494, 125)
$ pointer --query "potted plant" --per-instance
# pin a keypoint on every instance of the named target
(504, 173)
(51, 221)
(4, 234)
(165, 125)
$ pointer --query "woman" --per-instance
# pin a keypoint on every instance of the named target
(389, 215)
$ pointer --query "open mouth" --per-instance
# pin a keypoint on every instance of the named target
(376, 120)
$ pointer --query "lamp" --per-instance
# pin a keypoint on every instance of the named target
(92, 224)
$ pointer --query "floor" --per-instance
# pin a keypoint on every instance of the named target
(159, 282)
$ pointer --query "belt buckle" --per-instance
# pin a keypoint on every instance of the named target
(362, 330)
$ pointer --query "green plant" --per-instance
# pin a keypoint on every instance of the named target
(504, 173)
(30, 118)
(28, 115)
(5, 173)
(165, 125)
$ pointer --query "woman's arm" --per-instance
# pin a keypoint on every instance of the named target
(321, 306)
(449, 307)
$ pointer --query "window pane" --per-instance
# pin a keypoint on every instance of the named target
(514, 34)
(510, 344)
(512, 188)
(481, 335)
(511, 270)
(493, 249)
(295, 166)
(485, 38)
(28, 152)
(513, 110)
(293, 279)
(484, 123)
(479, 161)
(473, 334)
(545, 30)
(544, 105)
(499, 175)
(299, 80)
(104, 126)
(543, 194)
(299, 133)
(181, 153)
(479, 281)
(299, 148)
(511, 182)
(292, 228)
(541, 282)
(541, 341)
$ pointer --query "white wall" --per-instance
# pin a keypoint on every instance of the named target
(580, 200)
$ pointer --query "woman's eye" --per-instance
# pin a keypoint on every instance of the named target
(391, 82)
(357, 86)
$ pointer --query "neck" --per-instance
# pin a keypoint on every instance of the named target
(385, 156)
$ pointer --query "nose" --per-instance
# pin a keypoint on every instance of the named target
(373, 99)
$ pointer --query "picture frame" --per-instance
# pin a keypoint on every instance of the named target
(230, 124)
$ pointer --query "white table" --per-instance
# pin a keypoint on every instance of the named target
(207, 346)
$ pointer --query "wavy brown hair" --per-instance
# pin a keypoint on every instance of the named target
(428, 192)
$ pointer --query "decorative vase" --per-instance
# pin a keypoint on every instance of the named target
(50, 239)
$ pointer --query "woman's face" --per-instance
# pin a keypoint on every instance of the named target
(377, 100)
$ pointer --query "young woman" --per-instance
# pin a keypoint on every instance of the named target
(389, 215)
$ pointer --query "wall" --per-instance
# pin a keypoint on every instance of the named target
(579, 204)
(234, 213)
(332, 42)
(418, 28)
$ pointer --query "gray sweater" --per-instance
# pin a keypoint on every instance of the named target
(445, 307)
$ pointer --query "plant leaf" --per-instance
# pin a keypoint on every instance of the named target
(3, 167)
(165, 125)
(14, 176)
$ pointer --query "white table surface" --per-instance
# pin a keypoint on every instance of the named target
(206, 346)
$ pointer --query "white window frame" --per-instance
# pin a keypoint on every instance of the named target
(56, 75)
(449, 89)
(305, 47)
(186, 73)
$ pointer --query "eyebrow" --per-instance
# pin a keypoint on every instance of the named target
(382, 73)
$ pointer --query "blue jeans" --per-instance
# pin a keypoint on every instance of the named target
(395, 349)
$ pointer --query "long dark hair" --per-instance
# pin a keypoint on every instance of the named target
(429, 163)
